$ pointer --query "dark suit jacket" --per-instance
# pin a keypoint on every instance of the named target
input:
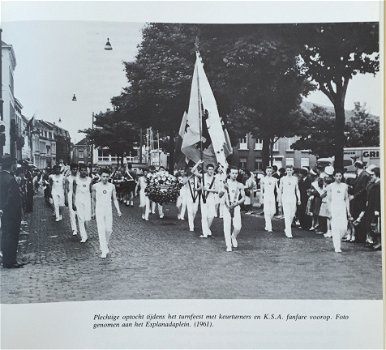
(10, 199)
(359, 190)
(373, 198)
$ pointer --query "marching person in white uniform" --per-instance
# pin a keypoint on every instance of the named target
(144, 201)
(81, 200)
(268, 187)
(289, 197)
(68, 192)
(339, 209)
(181, 200)
(220, 202)
(56, 181)
(234, 197)
(208, 188)
(192, 183)
(103, 193)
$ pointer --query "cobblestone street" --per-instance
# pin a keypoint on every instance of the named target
(162, 259)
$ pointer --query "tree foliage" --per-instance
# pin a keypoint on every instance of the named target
(332, 54)
(318, 131)
(111, 131)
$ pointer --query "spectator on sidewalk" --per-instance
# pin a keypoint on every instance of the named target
(10, 213)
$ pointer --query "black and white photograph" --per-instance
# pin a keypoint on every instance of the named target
(181, 160)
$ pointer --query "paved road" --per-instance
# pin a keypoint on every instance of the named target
(162, 259)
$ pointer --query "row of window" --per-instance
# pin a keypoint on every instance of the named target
(243, 143)
(304, 162)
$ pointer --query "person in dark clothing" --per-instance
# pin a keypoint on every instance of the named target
(10, 213)
(373, 210)
(358, 200)
(29, 191)
(304, 186)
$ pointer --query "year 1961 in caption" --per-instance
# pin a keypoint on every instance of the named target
(171, 320)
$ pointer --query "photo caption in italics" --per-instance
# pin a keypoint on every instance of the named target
(172, 320)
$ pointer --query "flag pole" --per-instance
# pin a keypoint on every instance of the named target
(200, 118)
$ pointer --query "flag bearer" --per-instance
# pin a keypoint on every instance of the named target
(102, 193)
(192, 183)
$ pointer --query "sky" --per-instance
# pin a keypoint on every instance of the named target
(59, 58)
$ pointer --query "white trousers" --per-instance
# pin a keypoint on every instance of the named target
(72, 213)
(269, 211)
(181, 205)
(289, 211)
(208, 211)
(192, 211)
(160, 208)
(104, 219)
(57, 198)
(228, 221)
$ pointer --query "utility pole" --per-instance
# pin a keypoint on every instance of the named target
(92, 144)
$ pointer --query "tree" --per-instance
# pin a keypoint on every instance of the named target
(318, 131)
(119, 136)
(252, 69)
(332, 54)
(362, 130)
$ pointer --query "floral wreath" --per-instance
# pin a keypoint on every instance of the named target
(162, 187)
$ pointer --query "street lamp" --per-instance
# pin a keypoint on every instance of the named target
(74, 98)
(108, 46)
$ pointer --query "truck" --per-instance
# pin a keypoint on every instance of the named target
(368, 155)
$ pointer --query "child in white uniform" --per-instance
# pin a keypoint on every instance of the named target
(56, 181)
(103, 193)
(289, 196)
(81, 200)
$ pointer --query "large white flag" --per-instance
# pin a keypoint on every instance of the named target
(214, 137)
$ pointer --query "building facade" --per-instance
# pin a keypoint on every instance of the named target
(8, 97)
(81, 152)
(247, 154)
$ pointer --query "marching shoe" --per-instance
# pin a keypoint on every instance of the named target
(191, 229)
(74, 233)
(234, 241)
(83, 240)
(338, 251)
(143, 216)
(203, 236)
(57, 219)
(229, 249)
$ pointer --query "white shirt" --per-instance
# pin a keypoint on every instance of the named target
(57, 183)
(103, 195)
(289, 186)
(269, 183)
